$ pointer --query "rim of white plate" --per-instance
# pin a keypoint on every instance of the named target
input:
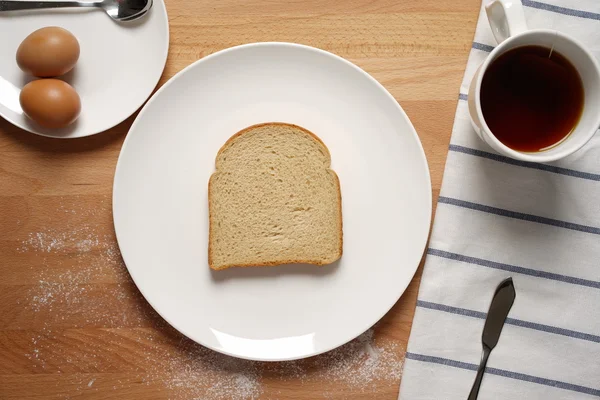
(381, 88)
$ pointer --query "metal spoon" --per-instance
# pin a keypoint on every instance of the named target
(119, 10)
(137, 16)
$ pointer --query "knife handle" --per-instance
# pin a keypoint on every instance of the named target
(484, 358)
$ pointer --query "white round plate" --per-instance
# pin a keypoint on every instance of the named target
(118, 67)
(160, 201)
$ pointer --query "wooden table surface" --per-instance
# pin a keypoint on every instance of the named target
(72, 324)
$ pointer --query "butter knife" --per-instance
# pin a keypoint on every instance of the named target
(502, 302)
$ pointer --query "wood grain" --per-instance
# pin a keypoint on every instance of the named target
(73, 325)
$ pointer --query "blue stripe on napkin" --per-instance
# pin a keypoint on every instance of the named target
(518, 163)
(518, 215)
(483, 47)
(504, 373)
(513, 268)
(511, 321)
(561, 10)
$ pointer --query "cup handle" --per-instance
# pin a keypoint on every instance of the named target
(506, 18)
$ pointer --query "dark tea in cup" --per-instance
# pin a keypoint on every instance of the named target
(531, 98)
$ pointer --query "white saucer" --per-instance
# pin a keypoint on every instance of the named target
(284, 312)
(119, 65)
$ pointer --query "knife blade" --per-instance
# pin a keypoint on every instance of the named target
(502, 301)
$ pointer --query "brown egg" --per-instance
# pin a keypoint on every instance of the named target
(50, 102)
(47, 52)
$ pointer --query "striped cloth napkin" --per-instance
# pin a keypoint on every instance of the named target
(496, 218)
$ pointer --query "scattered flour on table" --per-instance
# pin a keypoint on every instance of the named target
(71, 261)
(79, 257)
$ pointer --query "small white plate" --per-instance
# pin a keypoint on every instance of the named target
(161, 212)
(118, 67)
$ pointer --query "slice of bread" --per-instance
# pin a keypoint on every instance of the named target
(274, 200)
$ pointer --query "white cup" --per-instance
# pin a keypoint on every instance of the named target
(508, 25)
